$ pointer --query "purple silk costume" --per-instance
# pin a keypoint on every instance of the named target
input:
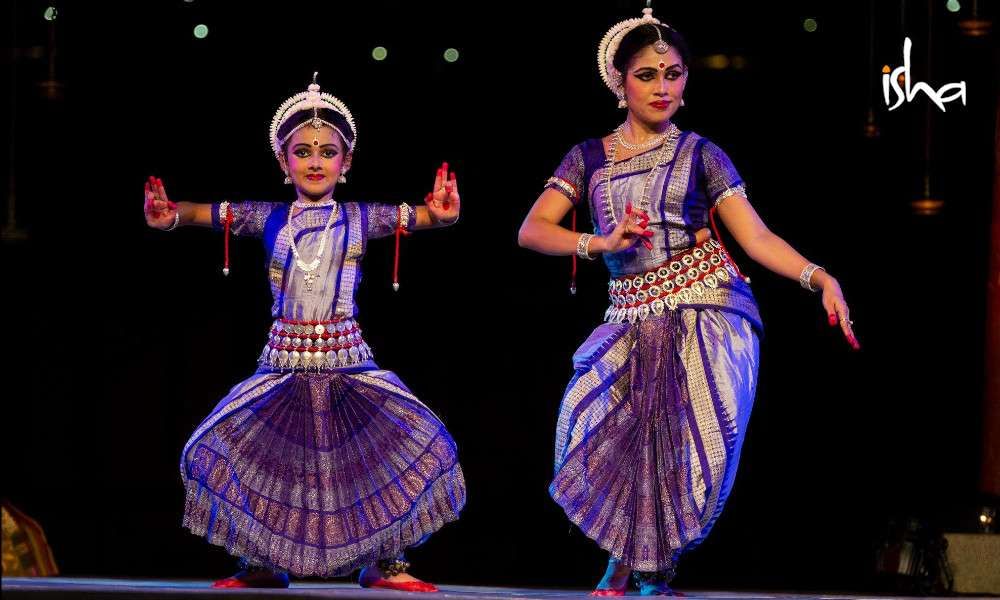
(652, 422)
(323, 471)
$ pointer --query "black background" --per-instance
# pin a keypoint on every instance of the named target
(120, 339)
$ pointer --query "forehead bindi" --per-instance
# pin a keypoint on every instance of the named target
(311, 136)
(648, 58)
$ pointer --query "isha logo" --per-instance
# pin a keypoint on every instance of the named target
(903, 73)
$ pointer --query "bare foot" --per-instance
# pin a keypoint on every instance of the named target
(373, 577)
(657, 589)
(254, 578)
(656, 584)
(615, 580)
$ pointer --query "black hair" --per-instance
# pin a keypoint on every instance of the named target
(645, 35)
(327, 114)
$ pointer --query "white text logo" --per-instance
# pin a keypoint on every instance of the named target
(939, 97)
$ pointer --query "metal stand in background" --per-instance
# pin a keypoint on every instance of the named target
(11, 232)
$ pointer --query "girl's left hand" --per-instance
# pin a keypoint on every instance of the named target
(838, 312)
(444, 203)
(160, 212)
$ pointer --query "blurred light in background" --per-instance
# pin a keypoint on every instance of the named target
(716, 61)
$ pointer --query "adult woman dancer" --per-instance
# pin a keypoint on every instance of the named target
(320, 463)
(651, 425)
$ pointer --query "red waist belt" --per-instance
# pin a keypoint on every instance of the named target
(315, 344)
(682, 279)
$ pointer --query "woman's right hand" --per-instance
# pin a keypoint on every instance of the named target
(160, 212)
(630, 231)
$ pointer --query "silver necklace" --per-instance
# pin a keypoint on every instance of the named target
(650, 143)
(308, 269)
(299, 203)
(670, 140)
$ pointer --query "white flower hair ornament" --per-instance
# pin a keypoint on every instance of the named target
(315, 109)
(606, 50)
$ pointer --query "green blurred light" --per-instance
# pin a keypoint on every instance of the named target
(201, 31)
(810, 25)
(51, 13)
(379, 53)
(451, 55)
(953, 6)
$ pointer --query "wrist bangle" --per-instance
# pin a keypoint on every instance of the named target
(177, 221)
(583, 246)
(806, 276)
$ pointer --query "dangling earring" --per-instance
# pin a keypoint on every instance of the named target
(288, 180)
(343, 177)
(682, 102)
(622, 103)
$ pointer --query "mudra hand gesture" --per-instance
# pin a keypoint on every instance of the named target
(630, 231)
(444, 203)
(837, 310)
(160, 212)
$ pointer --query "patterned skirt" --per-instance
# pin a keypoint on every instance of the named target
(650, 431)
(319, 474)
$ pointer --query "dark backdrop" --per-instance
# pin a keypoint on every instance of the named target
(120, 339)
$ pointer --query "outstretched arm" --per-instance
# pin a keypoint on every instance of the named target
(776, 254)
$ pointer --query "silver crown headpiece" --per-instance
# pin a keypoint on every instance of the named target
(312, 99)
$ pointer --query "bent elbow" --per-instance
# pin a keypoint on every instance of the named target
(523, 236)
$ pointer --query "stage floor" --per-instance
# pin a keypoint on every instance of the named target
(150, 589)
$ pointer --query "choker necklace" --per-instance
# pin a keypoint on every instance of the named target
(650, 143)
(313, 203)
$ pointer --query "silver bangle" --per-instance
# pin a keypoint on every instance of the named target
(583, 246)
(177, 221)
(806, 276)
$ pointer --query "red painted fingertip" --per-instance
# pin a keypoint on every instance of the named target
(446, 205)
(628, 208)
(833, 320)
(648, 234)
